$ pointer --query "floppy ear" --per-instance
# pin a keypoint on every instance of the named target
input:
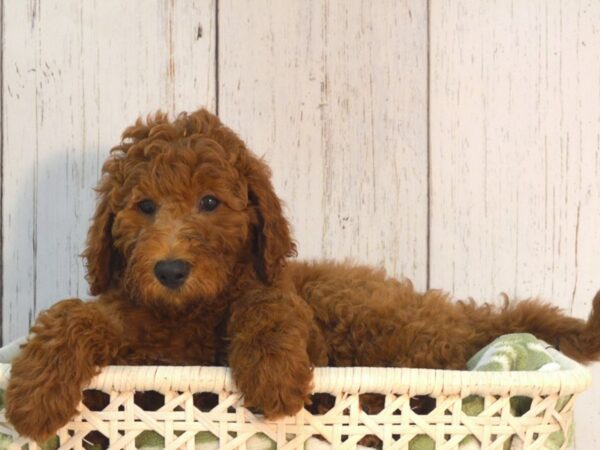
(272, 239)
(98, 255)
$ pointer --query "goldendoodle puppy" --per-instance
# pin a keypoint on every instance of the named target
(188, 254)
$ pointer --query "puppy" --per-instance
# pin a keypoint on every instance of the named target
(188, 254)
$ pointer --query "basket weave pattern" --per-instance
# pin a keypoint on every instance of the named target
(343, 426)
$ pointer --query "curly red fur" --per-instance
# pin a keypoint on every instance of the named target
(242, 303)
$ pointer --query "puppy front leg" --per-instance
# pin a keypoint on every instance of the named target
(269, 331)
(69, 343)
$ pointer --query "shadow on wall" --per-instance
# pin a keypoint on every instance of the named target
(47, 207)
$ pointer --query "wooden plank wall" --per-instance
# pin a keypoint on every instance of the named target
(456, 143)
(74, 74)
(342, 120)
(515, 156)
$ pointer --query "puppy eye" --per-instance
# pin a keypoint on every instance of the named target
(147, 206)
(209, 203)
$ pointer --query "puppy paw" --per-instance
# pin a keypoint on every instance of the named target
(68, 344)
(37, 406)
(278, 386)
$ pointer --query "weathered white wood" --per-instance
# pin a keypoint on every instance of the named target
(335, 95)
(75, 73)
(515, 170)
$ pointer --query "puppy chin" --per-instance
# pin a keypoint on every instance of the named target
(171, 303)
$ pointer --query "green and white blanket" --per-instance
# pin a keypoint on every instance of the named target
(507, 353)
(511, 352)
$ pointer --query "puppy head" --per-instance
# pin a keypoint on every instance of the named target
(183, 208)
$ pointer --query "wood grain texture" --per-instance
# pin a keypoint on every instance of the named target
(515, 140)
(75, 73)
(334, 95)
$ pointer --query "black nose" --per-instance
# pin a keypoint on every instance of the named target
(171, 273)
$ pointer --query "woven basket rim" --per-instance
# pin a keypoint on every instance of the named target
(335, 380)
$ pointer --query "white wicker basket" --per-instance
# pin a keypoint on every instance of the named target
(343, 426)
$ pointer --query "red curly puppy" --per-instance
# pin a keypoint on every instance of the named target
(187, 253)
